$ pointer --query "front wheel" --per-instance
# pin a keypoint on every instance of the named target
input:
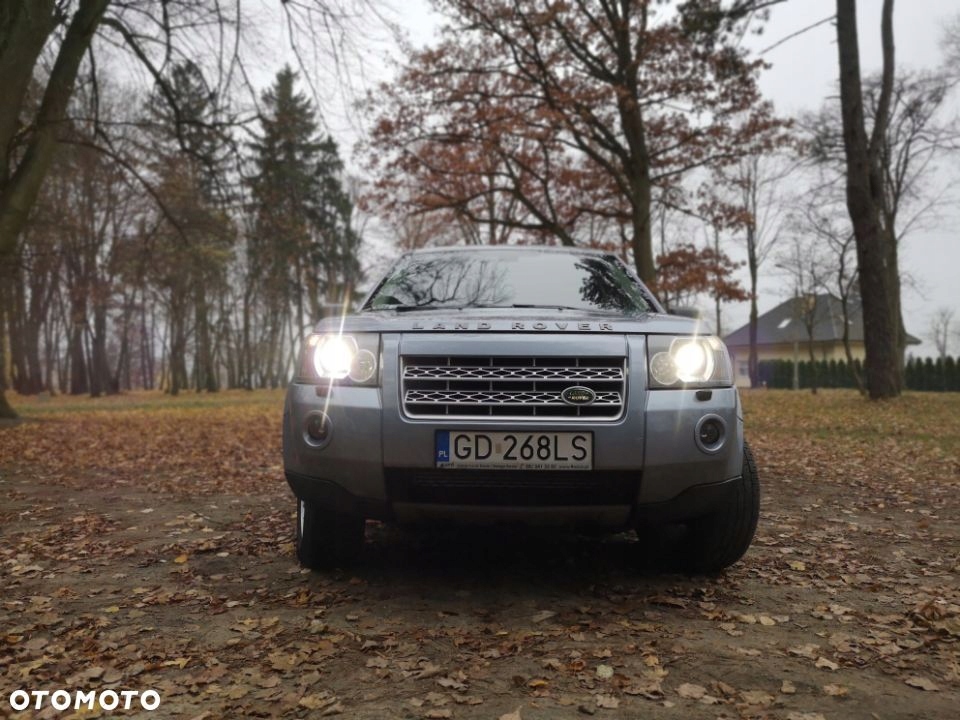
(326, 538)
(716, 541)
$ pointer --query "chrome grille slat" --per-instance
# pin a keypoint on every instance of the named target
(538, 374)
(454, 397)
(473, 387)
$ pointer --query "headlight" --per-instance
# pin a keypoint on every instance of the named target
(688, 361)
(333, 356)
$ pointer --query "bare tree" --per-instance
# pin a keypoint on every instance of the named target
(807, 266)
(886, 173)
(951, 48)
(758, 181)
(940, 325)
(821, 218)
(867, 204)
(65, 38)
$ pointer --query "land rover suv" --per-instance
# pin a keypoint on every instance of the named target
(517, 384)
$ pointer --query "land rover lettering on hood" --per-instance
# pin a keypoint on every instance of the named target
(537, 385)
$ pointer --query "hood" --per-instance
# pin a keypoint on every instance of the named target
(543, 320)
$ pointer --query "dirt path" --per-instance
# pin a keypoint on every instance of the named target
(126, 566)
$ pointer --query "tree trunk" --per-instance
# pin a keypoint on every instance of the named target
(642, 240)
(99, 363)
(79, 378)
(206, 373)
(6, 412)
(178, 347)
(813, 367)
(879, 294)
(846, 348)
(18, 192)
(716, 248)
(244, 357)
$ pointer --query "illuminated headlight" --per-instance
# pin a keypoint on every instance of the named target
(688, 361)
(334, 356)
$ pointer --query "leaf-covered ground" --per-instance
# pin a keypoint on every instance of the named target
(145, 542)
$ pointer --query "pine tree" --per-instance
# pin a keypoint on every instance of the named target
(302, 252)
(190, 148)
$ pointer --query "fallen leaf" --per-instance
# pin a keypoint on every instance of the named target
(437, 699)
(809, 650)
(689, 690)
(825, 664)
(922, 683)
(608, 702)
(757, 697)
(543, 615)
(181, 559)
(604, 672)
(451, 683)
(428, 670)
(317, 701)
(787, 687)
(667, 601)
(835, 690)
(724, 689)
(515, 715)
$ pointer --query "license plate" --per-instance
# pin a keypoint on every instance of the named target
(515, 450)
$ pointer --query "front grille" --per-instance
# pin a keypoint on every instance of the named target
(514, 488)
(512, 387)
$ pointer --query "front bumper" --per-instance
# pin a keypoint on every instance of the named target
(380, 463)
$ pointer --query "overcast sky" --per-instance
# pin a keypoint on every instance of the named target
(803, 74)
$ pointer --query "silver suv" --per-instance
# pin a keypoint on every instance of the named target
(520, 384)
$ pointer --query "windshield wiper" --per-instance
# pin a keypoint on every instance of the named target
(537, 306)
(415, 308)
(544, 307)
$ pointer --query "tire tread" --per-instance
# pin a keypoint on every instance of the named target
(719, 540)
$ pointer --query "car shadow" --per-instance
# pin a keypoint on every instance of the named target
(518, 555)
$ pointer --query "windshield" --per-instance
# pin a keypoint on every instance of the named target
(507, 279)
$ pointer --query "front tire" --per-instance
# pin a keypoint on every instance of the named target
(716, 541)
(326, 538)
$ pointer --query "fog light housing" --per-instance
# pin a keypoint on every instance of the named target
(711, 433)
(318, 428)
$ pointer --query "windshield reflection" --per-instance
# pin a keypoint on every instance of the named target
(509, 278)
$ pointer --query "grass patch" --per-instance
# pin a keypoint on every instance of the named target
(843, 417)
(46, 405)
